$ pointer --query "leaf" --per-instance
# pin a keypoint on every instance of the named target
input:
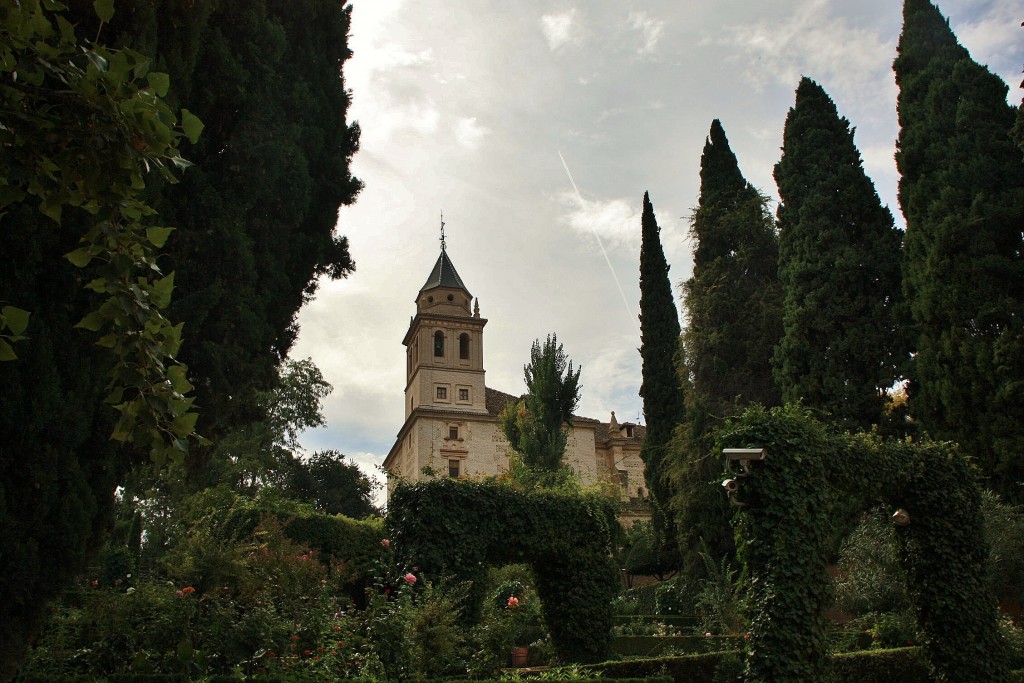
(17, 319)
(159, 82)
(191, 124)
(99, 62)
(162, 288)
(93, 322)
(104, 9)
(176, 374)
(80, 257)
(185, 424)
(158, 236)
(6, 352)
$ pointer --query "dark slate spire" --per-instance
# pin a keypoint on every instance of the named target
(443, 275)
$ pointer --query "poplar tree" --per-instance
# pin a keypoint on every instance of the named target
(659, 345)
(962, 193)
(733, 307)
(839, 263)
(536, 425)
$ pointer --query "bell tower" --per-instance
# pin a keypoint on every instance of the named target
(444, 345)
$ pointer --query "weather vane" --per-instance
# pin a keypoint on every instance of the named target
(442, 231)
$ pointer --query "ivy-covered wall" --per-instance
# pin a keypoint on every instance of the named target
(458, 528)
(786, 532)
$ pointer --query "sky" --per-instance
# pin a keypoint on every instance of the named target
(536, 126)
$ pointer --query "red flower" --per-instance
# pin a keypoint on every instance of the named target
(307, 652)
(513, 601)
(188, 589)
(385, 543)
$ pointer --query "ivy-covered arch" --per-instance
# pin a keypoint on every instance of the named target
(785, 533)
(459, 528)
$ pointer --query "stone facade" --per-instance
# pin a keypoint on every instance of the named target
(451, 417)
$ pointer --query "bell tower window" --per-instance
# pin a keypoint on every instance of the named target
(439, 344)
(464, 346)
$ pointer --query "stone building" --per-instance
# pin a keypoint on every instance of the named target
(451, 417)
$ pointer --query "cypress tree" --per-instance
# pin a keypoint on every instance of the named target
(254, 219)
(734, 310)
(733, 300)
(839, 263)
(661, 390)
(962, 193)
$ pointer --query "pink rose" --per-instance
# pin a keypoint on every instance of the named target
(385, 543)
(409, 578)
(513, 601)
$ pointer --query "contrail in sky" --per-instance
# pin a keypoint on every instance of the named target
(615, 277)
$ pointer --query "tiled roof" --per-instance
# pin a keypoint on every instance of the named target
(497, 400)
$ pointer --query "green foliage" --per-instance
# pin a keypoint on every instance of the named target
(733, 304)
(95, 387)
(91, 124)
(808, 471)
(1004, 534)
(534, 426)
(661, 389)
(733, 301)
(881, 666)
(720, 602)
(839, 254)
(871, 578)
(962, 192)
(458, 527)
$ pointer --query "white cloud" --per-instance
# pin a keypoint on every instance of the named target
(808, 41)
(613, 221)
(392, 55)
(468, 132)
(420, 117)
(560, 29)
(650, 28)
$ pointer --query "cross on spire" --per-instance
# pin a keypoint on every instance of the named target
(442, 231)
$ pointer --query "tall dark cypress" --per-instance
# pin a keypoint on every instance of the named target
(733, 300)
(734, 310)
(962, 193)
(839, 263)
(659, 345)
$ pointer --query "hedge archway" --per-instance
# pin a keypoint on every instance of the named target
(459, 528)
(784, 533)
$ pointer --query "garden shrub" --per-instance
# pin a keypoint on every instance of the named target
(457, 528)
(685, 668)
(784, 530)
(906, 665)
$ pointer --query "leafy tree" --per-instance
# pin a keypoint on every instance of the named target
(332, 485)
(535, 426)
(839, 262)
(661, 390)
(733, 305)
(256, 220)
(92, 386)
(962, 192)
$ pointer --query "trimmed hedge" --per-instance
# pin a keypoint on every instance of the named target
(457, 528)
(785, 530)
(651, 646)
(338, 540)
(684, 669)
(904, 664)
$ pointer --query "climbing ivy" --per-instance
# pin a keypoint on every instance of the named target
(84, 126)
(785, 536)
(457, 528)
